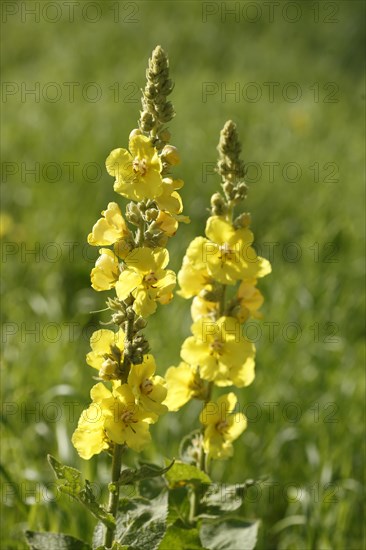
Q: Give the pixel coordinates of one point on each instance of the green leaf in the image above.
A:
(72, 484)
(178, 505)
(147, 471)
(228, 534)
(224, 496)
(178, 538)
(71, 476)
(182, 473)
(116, 546)
(142, 523)
(54, 541)
(98, 536)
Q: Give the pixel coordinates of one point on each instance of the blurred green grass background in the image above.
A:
(305, 433)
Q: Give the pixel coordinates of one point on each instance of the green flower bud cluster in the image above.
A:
(232, 171)
(137, 346)
(156, 110)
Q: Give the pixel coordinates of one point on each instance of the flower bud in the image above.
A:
(228, 188)
(243, 220)
(130, 314)
(109, 369)
(218, 206)
(170, 155)
(151, 214)
(134, 132)
(119, 318)
(164, 135)
(146, 121)
(133, 213)
(140, 324)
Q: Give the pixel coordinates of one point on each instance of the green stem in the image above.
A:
(114, 493)
(117, 452)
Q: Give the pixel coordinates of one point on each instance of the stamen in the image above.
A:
(139, 165)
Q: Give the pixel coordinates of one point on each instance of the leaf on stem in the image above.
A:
(228, 534)
(182, 474)
(147, 471)
(54, 541)
(71, 483)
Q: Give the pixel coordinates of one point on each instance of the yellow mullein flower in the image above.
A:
(147, 280)
(149, 390)
(170, 200)
(170, 207)
(137, 171)
(221, 351)
(90, 438)
(223, 426)
(126, 422)
(107, 352)
(227, 252)
(111, 229)
(204, 308)
(183, 383)
(249, 300)
(193, 280)
(106, 271)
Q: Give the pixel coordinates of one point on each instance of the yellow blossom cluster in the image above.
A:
(133, 263)
(121, 415)
(220, 272)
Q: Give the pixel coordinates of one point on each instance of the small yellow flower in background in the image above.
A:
(222, 426)
(137, 172)
(192, 280)
(149, 390)
(106, 271)
(126, 422)
(107, 352)
(147, 280)
(220, 350)
(183, 383)
(90, 438)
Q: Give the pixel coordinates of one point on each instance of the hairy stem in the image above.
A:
(114, 493)
(117, 453)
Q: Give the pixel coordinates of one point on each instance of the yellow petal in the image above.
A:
(119, 162)
(194, 352)
(198, 252)
(179, 380)
(141, 372)
(192, 280)
(127, 282)
(106, 270)
(108, 229)
(99, 392)
(237, 424)
(89, 437)
(144, 304)
(219, 230)
(141, 259)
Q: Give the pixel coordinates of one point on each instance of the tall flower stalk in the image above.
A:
(220, 272)
(133, 263)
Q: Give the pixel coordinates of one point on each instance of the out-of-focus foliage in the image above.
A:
(295, 91)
